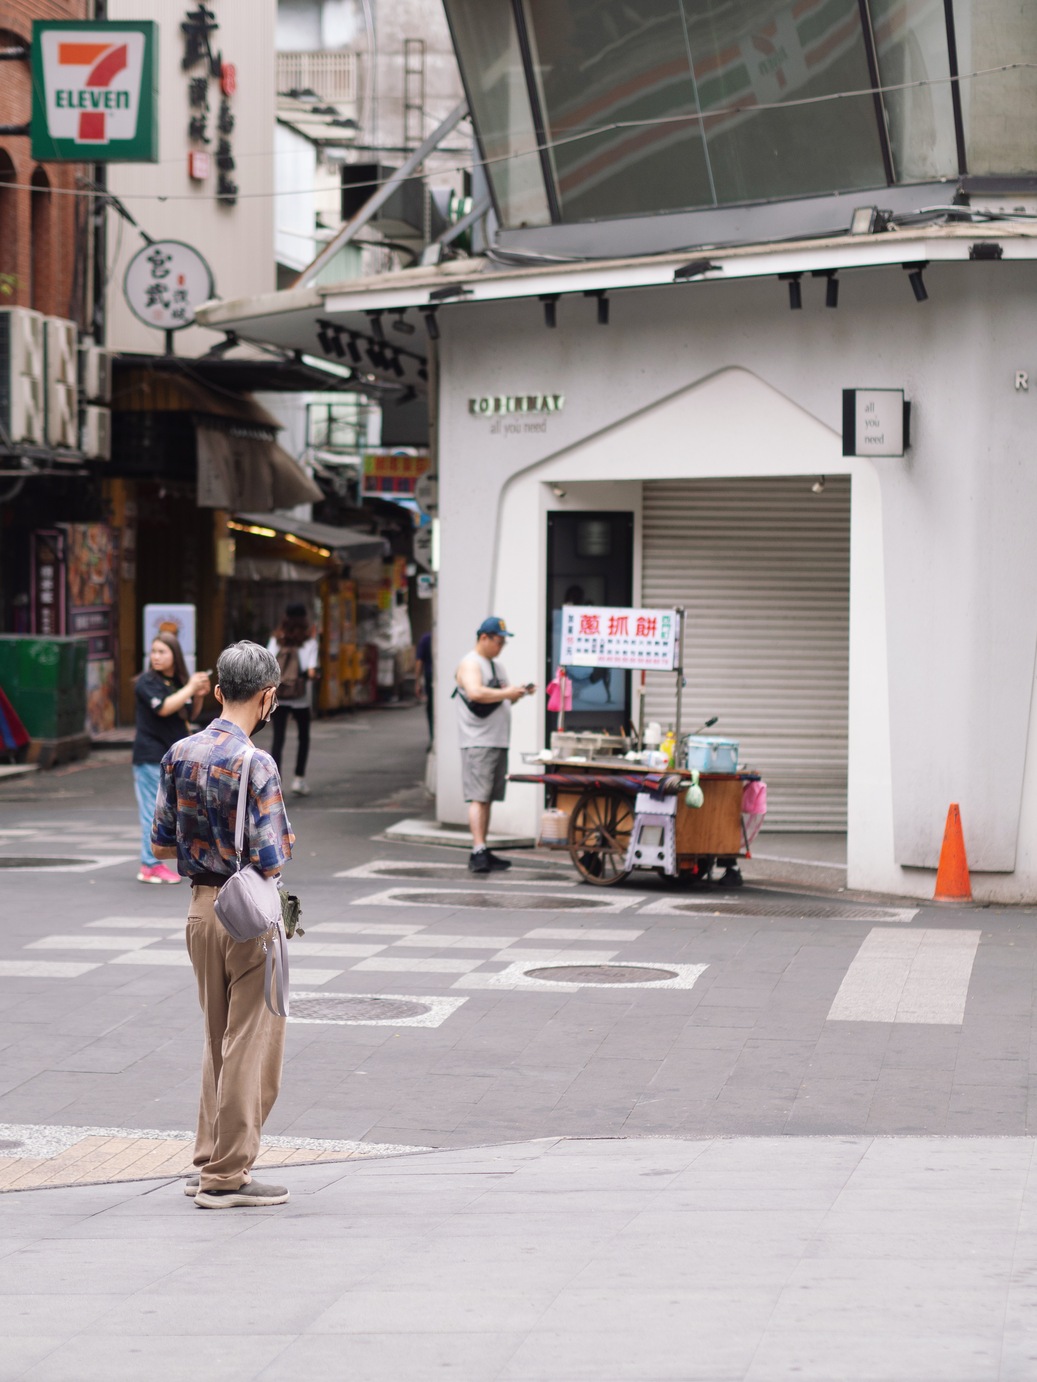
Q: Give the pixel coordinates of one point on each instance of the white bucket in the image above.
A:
(554, 827)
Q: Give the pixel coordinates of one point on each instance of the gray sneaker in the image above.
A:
(252, 1193)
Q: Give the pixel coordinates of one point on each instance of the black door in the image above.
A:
(590, 560)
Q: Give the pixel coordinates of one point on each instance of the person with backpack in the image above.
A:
(294, 645)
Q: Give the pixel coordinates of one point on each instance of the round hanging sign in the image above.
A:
(165, 282)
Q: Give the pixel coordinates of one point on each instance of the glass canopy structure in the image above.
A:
(587, 110)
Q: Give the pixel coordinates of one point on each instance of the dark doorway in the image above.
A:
(590, 561)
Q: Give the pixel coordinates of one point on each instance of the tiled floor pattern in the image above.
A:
(34, 1157)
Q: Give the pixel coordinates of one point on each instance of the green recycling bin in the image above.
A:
(45, 681)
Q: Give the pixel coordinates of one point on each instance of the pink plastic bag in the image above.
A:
(754, 808)
(554, 693)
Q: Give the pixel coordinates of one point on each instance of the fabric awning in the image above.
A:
(273, 569)
(237, 471)
(345, 543)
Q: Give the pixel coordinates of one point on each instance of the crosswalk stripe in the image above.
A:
(908, 976)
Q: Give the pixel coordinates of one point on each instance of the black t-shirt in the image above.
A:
(156, 733)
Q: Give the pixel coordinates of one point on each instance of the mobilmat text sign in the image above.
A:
(596, 636)
(94, 93)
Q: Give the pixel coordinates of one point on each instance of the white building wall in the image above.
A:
(237, 241)
(718, 380)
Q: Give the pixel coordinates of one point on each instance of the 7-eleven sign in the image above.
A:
(94, 96)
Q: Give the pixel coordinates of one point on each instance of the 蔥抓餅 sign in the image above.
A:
(876, 422)
(597, 636)
(94, 95)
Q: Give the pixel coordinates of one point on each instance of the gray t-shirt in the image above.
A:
(493, 731)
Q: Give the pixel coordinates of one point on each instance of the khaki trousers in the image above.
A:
(244, 1047)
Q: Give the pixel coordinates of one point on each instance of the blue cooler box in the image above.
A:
(712, 755)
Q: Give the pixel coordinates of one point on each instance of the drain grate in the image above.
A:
(506, 902)
(48, 863)
(601, 974)
(807, 911)
(329, 1008)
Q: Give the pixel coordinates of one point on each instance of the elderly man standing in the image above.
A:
(484, 701)
(195, 816)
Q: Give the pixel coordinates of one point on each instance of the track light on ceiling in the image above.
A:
(431, 325)
(353, 348)
(402, 325)
(795, 290)
(818, 487)
(558, 491)
(550, 301)
(329, 337)
(914, 277)
(831, 287)
(377, 330)
(603, 304)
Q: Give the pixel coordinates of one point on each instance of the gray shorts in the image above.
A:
(484, 774)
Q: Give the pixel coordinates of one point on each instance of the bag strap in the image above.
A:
(275, 980)
(239, 824)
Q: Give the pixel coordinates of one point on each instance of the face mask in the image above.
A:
(266, 718)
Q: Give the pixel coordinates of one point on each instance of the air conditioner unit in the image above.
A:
(96, 433)
(21, 376)
(61, 365)
(95, 373)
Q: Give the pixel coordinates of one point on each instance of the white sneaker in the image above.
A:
(299, 787)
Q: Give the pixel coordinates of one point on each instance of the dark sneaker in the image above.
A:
(479, 862)
(731, 878)
(497, 864)
(192, 1185)
(250, 1194)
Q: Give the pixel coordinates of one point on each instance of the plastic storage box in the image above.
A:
(712, 755)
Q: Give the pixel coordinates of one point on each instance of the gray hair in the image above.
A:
(244, 669)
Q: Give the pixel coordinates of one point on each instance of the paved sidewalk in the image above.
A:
(755, 1259)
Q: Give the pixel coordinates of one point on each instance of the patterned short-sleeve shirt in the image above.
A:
(197, 806)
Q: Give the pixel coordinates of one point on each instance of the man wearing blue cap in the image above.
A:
(484, 700)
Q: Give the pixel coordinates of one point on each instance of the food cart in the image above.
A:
(621, 812)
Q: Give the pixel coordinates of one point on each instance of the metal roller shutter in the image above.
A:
(763, 568)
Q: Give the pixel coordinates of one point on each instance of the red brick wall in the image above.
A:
(51, 282)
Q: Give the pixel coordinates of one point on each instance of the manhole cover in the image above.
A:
(507, 902)
(601, 974)
(41, 863)
(434, 871)
(331, 1009)
(807, 911)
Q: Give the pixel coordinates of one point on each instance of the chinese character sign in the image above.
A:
(165, 282)
(393, 472)
(632, 638)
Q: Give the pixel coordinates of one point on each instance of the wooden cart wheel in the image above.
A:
(599, 835)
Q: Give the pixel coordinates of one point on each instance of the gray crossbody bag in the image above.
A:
(248, 906)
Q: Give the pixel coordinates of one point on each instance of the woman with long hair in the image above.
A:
(165, 696)
(294, 644)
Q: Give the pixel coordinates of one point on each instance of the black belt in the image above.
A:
(209, 880)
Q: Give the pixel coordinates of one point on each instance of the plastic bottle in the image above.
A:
(668, 747)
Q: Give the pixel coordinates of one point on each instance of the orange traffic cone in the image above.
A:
(952, 877)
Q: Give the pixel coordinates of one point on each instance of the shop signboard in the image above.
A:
(75, 569)
(179, 620)
(601, 636)
(164, 283)
(876, 422)
(95, 91)
(392, 472)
